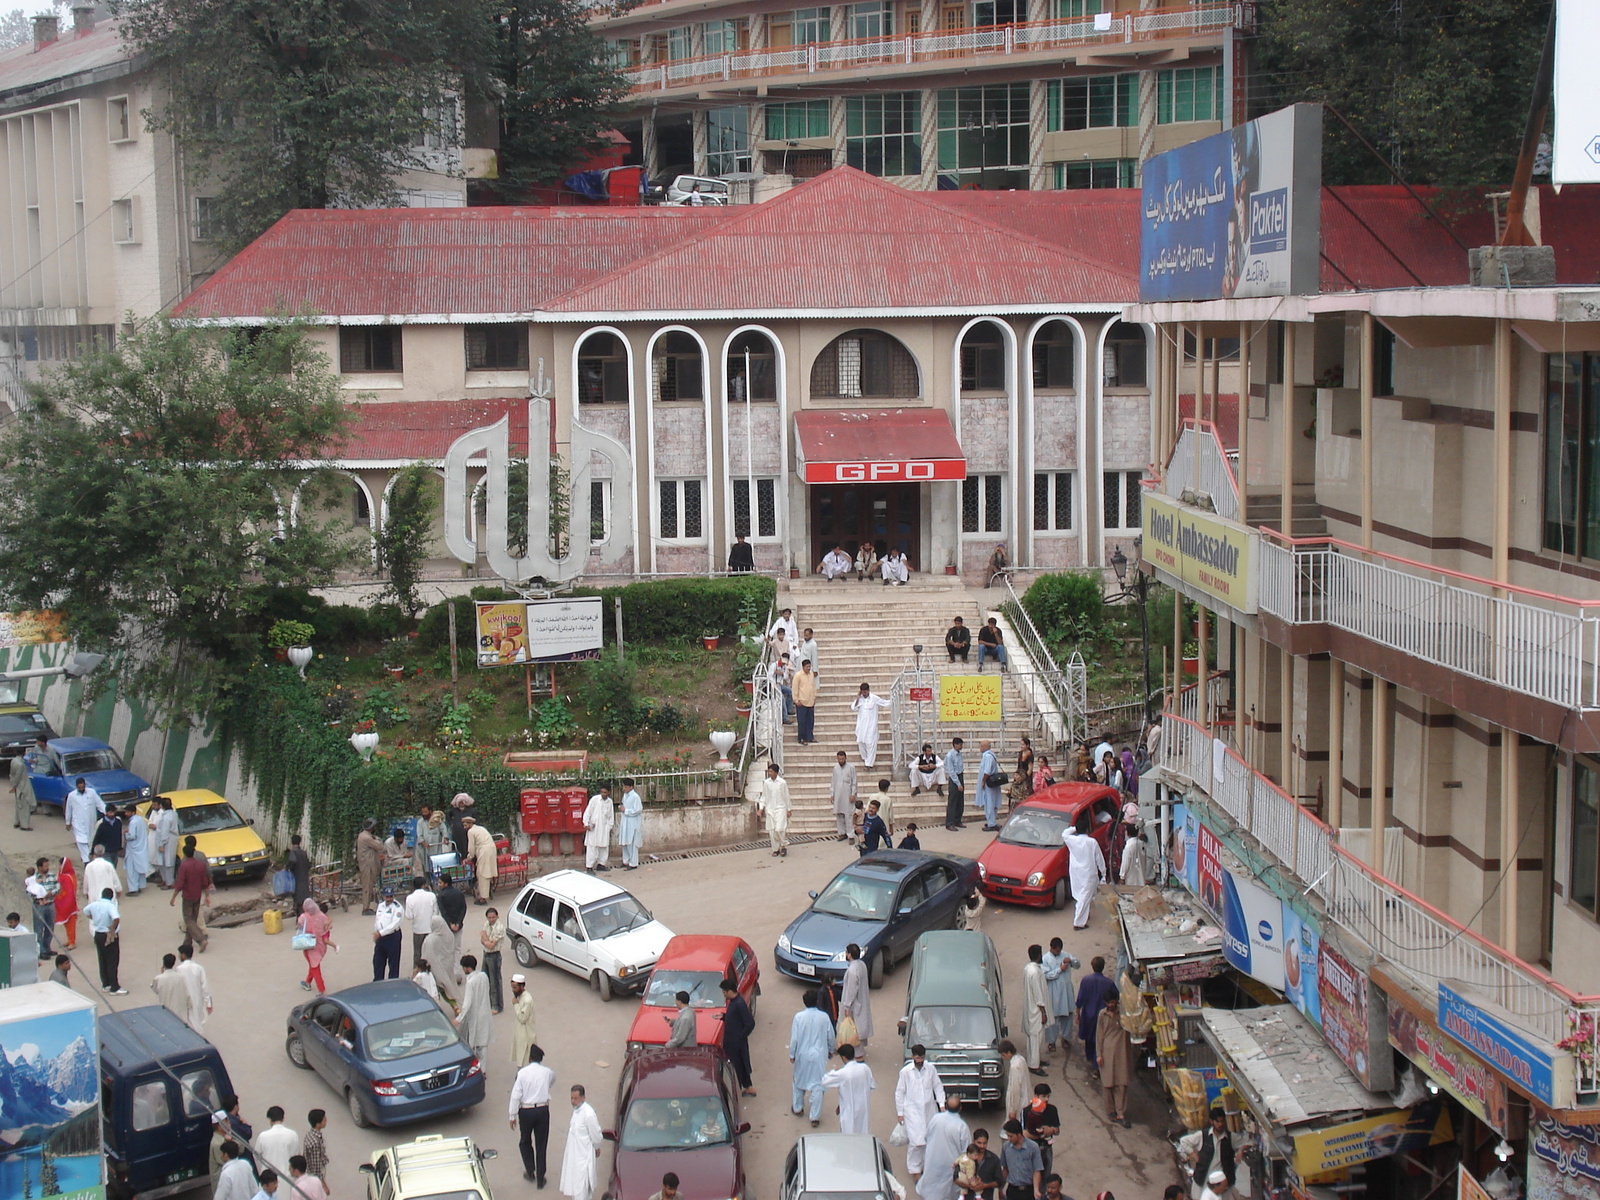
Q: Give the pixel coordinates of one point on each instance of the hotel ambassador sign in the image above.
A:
(1209, 554)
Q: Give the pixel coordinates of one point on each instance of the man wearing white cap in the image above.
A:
(1217, 1186)
(522, 1020)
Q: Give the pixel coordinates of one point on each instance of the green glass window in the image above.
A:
(787, 120)
(1189, 94)
(1572, 454)
(1092, 102)
(983, 131)
(883, 133)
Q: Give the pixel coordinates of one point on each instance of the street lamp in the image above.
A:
(1140, 592)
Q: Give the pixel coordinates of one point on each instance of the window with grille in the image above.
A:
(1092, 102)
(983, 360)
(1096, 173)
(728, 139)
(1189, 94)
(982, 507)
(753, 353)
(208, 223)
(681, 516)
(1052, 501)
(1121, 501)
(602, 370)
(883, 133)
(766, 525)
(1053, 356)
(678, 368)
(497, 347)
(795, 119)
(369, 348)
(984, 131)
(865, 363)
(599, 510)
(1124, 364)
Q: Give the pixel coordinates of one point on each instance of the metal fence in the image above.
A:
(1064, 689)
(763, 734)
(1201, 465)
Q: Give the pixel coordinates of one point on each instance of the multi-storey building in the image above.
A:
(1385, 513)
(948, 94)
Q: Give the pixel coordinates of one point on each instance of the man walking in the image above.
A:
(530, 1113)
(164, 836)
(1022, 1163)
(741, 556)
(37, 761)
(598, 820)
(100, 873)
(774, 802)
(958, 640)
(955, 778)
(83, 811)
(866, 706)
(988, 790)
(421, 907)
(1086, 871)
(803, 688)
(314, 1146)
(1094, 990)
(947, 1140)
(683, 1032)
(369, 862)
(855, 999)
(42, 889)
(170, 990)
(194, 979)
(583, 1148)
(473, 1021)
(630, 831)
(808, 652)
(387, 924)
(811, 1041)
(842, 795)
(856, 1085)
(738, 1023)
(522, 1020)
(277, 1143)
(1036, 1008)
(791, 631)
(193, 882)
(452, 902)
(918, 1096)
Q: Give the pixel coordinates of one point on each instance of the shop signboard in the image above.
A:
(1518, 1059)
(539, 631)
(1323, 1152)
(967, 699)
(1468, 1187)
(1351, 1007)
(1302, 943)
(1185, 848)
(1565, 1163)
(30, 628)
(1252, 929)
(1202, 550)
(1473, 1085)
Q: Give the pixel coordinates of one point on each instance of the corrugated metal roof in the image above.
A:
(413, 430)
(26, 66)
(875, 435)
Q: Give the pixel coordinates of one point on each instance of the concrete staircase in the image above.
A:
(1305, 512)
(864, 633)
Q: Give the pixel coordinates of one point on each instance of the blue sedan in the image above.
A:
(68, 759)
(389, 1050)
(882, 902)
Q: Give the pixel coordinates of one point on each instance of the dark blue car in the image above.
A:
(389, 1050)
(882, 902)
(97, 764)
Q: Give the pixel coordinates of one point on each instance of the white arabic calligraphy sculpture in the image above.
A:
(494, 442)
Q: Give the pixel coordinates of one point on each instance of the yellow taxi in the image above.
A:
(231, 846)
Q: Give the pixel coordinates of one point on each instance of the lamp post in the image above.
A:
(917, 651)
(1140, 592)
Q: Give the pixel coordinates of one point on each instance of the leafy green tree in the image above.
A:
(406, 534)
(556, 91)
(284, 104)
(1439, 87)
(146, 493)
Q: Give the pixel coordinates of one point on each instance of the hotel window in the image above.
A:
(369, 348)
(1095, 173)
(599, 510)
(1189, 94)
(1583, 879)
(497, 347)
(720, 37)
(728, 140)
(124, 221)
(1122, 499)
(795, 119)
(119, 119)
(1077, 10)
(983, 359)
(677, 369)
(1053, 356)
(1572, 454)
(808, 25)
(622, 53)
(1052, 501)
(1092, 102)
(983, 132)
(982, 510)
(602, 370)
(766, 508)
(998, 12)
(1383, 345)
(871, 20)
(680, 43)
(883, 133)
(681, 518)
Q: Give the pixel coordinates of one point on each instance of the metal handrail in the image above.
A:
(758, 684)
(1213, 473)
(1068, 689)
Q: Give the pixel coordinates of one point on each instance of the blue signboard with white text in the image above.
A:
(1492, 1040)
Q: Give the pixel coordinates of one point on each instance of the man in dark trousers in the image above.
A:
(452, 903)
(958, 640)
(108, 833)
(1093, 991)
(738, 1023)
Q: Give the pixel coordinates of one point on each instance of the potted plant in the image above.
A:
(364, 739)
(285, 634)
(710, 639)
(1191, 658)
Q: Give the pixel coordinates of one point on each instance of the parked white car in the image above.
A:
(585, 925)
(695, 189)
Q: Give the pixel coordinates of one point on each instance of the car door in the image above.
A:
(905, 922)
(746, 972)
(324, 1020)
(51, 786)
(945, 895)
(536, 918)
(791, 1174)
(568, 940)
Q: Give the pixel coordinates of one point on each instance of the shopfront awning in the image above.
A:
(888, 445)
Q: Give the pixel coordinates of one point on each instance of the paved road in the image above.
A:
(255, 982)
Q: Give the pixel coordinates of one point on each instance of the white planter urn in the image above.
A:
(722, 742)
(300, 658)
(365, 744)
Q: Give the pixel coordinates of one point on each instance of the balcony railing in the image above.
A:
(936, 46)
(1201, 465)
(1417, 940)
(1530, 642)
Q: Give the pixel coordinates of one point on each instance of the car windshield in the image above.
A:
(1029, 826)
(952, 1026)
(674, 1124)
(22, 723)
(616, 915)
(81, 762)
(704, 988)
(403, 1037)
(856, 898)
(207, 818)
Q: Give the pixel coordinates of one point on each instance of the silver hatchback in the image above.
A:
(839, 1166)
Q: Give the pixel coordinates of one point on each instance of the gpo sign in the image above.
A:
(914, 471)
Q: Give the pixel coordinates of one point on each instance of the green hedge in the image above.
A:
(335, 624)
(1066, 605)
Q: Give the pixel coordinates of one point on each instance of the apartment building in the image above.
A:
(932, 94)
(1380, 500)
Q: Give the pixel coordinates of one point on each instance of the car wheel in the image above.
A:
(358, 1115)
(876, 968)
(296, 1050)
(1058, 900)
(602, 984)
(527, 956)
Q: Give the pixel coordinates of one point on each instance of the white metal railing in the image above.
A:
(761, 733)
(1409, 934)
(1529, 642)
(1068, 689)
(1201, 466)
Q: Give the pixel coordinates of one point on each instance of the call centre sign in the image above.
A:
(1208, 553)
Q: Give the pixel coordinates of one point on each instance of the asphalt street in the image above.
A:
(255, 981)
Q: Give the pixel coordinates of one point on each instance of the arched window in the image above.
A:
(1124, 356)
(753, 351)
(678, 369)
(866, 363)
(1053, 356)
(602, 370)
(983, 359)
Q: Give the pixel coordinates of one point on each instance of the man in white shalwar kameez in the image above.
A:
(918, 1097)
(598, 819)
(811, 1041)
(835, 564)
(1036, 1007)
(774, 802)
(866, 706)
(583, 1147)
(948, 1139)
(855, 1083)
(855, 999)
(1086, 871)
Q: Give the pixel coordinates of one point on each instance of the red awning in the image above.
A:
(887, 445)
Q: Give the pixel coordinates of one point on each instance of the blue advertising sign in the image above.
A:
(1252, 929)
(1492, 1040)
(1302, 943)
(1235, 214)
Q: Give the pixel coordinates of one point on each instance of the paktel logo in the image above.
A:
(1269, 221)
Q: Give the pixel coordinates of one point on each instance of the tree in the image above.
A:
(404, 537)
(557, 93)
(284, 104)
(1439, 87)
(145, 495)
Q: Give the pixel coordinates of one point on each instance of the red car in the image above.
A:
(678, 1110)
(1027, 862)
(697, 964)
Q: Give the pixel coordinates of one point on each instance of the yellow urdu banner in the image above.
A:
(1205, 551)
(969, 698)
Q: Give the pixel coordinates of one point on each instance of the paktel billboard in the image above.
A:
(1235, 214)
(1575, 149)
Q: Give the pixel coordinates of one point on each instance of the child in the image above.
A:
(857, 819)
(424, 979)
(910, 842)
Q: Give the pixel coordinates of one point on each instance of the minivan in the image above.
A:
(955, 1010)
(160, 1081)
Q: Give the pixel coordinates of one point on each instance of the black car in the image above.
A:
(882, 902)
(20, 723)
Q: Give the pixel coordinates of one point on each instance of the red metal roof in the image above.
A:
(828, 435)
(413, 430)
